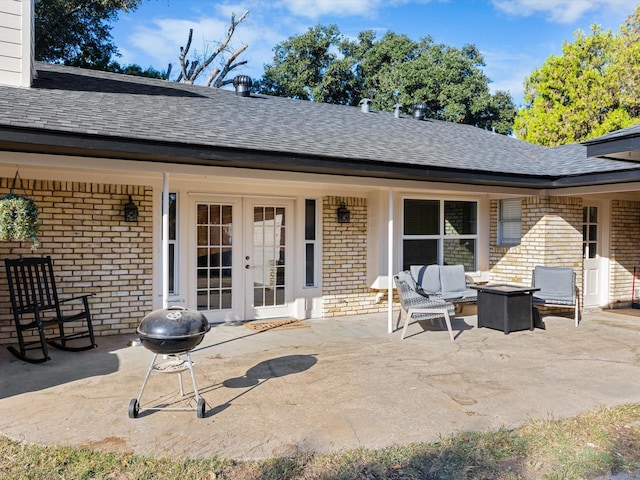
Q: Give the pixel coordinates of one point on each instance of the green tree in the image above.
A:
(321, 65)
(588, 91)
(311, 67)
(77, 32)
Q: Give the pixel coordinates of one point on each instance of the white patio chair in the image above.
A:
(557, 288)
(421, 307)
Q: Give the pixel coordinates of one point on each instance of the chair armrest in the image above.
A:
(80, 297)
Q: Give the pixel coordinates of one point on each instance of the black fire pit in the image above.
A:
(171, 332)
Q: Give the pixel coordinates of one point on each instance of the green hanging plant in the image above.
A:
(19, 219)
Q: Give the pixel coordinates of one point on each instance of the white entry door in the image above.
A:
(592, 263)
(268, 255)
(243, 256)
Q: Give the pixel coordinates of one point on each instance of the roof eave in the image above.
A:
(73, 144)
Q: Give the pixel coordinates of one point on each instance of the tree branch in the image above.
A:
(222, 46)
(183, 55)
(229, 65)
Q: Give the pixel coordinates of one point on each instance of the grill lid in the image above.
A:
(172, 323)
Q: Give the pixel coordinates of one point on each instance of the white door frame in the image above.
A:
(241, 295)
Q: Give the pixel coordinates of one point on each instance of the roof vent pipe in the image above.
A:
(396, 110)
(419, 110)
(365, 105)
(242, 84)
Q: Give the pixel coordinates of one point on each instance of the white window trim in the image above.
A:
(441, 236)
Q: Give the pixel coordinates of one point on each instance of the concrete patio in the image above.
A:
(338, 384)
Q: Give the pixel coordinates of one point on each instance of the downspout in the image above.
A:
(165, 240)
(390, 265)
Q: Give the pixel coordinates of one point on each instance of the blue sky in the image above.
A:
(514, 36)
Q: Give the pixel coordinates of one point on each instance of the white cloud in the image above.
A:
(561, 11)
(158, 40)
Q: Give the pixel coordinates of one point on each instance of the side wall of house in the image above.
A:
(344, 266)
(551, 235)
(625, 254)
(16, 27)
(93, 249)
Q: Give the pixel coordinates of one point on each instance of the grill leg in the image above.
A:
(146, 378)
(193, 377)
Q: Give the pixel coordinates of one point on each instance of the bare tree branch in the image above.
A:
(228, 66)
(197, 67)
(183, 54)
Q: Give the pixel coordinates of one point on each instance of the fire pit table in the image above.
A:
(171, 332)
(505, 307)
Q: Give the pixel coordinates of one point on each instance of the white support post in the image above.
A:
(390, 265)
(165, 240)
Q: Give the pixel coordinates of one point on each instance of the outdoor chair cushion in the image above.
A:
(452, 278)
(427, 276)
(448, 281)
(556, 285)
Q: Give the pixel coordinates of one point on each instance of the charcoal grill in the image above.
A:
(171, 332)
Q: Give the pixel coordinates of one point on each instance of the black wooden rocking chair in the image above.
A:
(37, 308)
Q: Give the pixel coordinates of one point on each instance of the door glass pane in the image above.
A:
(213, 281)
(203, 214)
(310, 219)
(268, 255)
(419, 252)
(593, 214)
(309, 264)
(421, 217)
(593, 233)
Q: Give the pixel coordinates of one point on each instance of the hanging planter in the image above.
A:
(19, 219)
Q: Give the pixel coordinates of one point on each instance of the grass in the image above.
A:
(603, 442)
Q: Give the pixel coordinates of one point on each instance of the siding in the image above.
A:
(16, 45)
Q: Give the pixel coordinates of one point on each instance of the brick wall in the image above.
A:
(625, 250)
(93, 249)
(551, 235)
(344, 267)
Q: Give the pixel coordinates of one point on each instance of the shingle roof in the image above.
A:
(121, 108)
(632, 131)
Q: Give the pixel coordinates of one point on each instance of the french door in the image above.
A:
(591, 233)
(243, 258)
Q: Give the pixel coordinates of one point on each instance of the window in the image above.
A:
(441, 232)
(509, 219)
(214, 243)
(173, 264)
(310, 242)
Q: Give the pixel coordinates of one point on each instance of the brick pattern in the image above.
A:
(625, 255)
(93, 249)
(551, 235)
(344, 264)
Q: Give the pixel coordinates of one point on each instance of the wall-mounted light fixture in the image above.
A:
(130, 211)
(344, 215)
